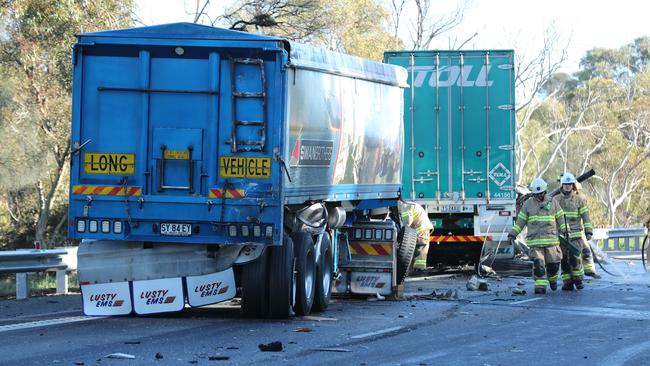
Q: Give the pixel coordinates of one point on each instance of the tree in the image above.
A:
(599, 117)
(35, 56)
(355, 27)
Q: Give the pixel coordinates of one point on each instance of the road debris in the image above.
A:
(518, 291)
(119, 355)
(158, 356)
(325, 349)
(132, 342)
(271, 347)
(476, 284)
(303, 330)
(219, 358)
(521, 283)
(316, 318)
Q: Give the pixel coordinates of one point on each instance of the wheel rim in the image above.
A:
(309, 276)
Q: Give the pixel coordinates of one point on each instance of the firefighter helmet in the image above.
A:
(538, 185)
(568, 178)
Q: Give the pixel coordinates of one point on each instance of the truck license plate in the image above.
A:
(168, 229)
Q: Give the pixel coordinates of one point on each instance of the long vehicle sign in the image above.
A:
(107, 163)
(244, 167)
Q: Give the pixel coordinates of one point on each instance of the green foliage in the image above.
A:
(603, 110)
(35, 44)
(354, 27)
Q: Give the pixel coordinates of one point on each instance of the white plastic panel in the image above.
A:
(212, 288)
(158, 296)
(106, 299)
(371, 283)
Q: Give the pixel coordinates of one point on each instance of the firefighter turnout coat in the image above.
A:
(542, 219)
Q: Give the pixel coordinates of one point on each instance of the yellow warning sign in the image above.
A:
(107, 163)
(177, 154)
(244, 167)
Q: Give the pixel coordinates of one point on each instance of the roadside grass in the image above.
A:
(40, 283)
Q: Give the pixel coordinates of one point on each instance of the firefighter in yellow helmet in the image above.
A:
(543, 216)
(574, 206)
(416, 217)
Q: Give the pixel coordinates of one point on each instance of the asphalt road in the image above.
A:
(605, 324)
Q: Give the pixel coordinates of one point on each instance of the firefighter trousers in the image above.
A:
(572, 265)
(546, 264)
(421, 252)
(587, 258)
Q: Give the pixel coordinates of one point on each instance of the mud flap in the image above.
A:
(371, 283)
(106, 299)
(211, 289)
(158, 296)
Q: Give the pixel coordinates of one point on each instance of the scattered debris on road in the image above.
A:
(476, 284)
(158, 356)
(325, 349)
(316, 318)
(271, 347)
(518, 291)
(303, 330)
(219, 358)
(119, 355)
(132, 342)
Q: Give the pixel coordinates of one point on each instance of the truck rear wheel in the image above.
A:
(281, 279)
(305, 273)
(407, 240)
(255, 298)
(324, 275)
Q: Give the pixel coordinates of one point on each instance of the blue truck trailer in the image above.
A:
(209, 163)
(459, 129)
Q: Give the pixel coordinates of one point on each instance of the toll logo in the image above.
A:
(157, 297)
(211, 289)
(447, 76)
(106, 300)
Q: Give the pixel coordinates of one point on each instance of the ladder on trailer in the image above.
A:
(237, 144)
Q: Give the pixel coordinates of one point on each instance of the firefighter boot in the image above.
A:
(567, 286)
(594, 275)
(540, 291)
(579, 284)
(553, 285)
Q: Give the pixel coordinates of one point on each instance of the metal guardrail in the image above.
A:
(620, 238)
(22, 262)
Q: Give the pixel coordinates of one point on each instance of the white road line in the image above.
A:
(383, 331)
(45, 323)
(527, 300)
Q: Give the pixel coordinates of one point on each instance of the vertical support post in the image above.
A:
(61, 282)
(144, 158)
(438, 171)
(487, 127)
(22, 286)
(412, 64)
(461, 109)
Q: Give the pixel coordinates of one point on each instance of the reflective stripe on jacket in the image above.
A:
(543, 220)
(575, 209)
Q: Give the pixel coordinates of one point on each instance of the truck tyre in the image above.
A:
(305, 272)
(407, 240)
(324, 275)
(281, 279)
(255, 298)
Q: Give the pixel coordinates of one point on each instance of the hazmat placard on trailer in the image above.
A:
(244, 167)
(109, 163)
